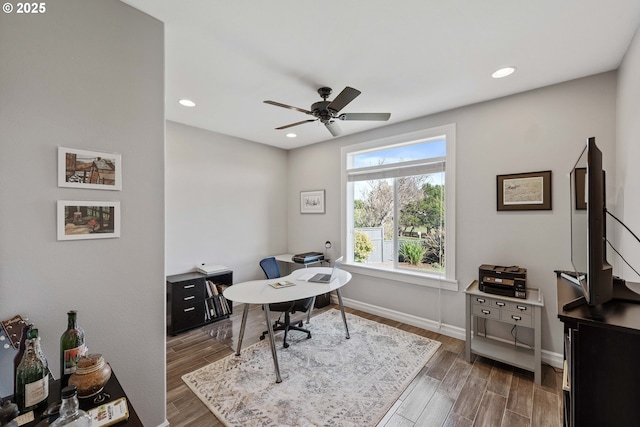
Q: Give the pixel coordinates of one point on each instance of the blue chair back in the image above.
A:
(270, 268)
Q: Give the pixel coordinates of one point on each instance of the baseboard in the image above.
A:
(409, 319)
(548, 357)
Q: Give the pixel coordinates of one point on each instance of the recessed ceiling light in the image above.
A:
(503, 72)
(291, 135)
(187, 103)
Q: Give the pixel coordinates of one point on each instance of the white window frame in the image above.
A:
(449, 280)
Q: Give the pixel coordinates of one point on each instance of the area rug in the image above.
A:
(326, 380)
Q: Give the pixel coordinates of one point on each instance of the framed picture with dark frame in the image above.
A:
(580, 190)
(524, 191)
(79, 220)
(312, 202)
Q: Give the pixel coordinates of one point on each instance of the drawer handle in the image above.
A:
(500, 304)
(481, 300)
(521, 307)
(516, 318)
(189, 286)
(486, 311)
(188, 298)
(189, 309)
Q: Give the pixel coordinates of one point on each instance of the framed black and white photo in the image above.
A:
(312, 202)
(524, 191)
(89, 169)
(78, 220)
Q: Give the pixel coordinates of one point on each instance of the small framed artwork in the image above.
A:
(524, 191)
(312, 202)
(78, 220)
(89, 169)
(580, 190)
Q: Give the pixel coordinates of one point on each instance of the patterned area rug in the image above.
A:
(326, 380)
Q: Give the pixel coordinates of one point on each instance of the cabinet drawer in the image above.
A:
(517, 318)
(187, 316)
(518, 307)
(488, 312)
(188, 291)
(481, 301)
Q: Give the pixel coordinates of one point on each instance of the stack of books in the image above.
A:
(216, 304)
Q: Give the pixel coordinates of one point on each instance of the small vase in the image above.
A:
(91, 375)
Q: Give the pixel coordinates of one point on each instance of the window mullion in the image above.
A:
(396, 214)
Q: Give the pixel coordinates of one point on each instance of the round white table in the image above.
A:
(260, 292)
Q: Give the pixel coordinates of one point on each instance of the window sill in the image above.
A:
(404, 276)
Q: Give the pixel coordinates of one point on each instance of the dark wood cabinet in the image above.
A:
(602, 361)
(195, 299)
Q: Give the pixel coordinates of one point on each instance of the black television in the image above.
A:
(592, 273)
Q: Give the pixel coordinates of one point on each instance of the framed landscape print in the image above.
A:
(312, 201)
(89, 169)
(524, 191)
(78, 220)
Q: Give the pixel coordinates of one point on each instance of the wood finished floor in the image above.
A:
(447, 392)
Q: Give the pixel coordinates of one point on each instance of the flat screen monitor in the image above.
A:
(588, 227)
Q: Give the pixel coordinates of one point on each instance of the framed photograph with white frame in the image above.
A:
(89, 169)
(312, 202)
(78, 220)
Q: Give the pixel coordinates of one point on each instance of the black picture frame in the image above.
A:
(524, 191)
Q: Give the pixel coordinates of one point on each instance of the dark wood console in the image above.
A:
(602, 361)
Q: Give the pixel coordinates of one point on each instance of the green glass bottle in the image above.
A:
(20, 355)
(32, 379)
(33, 334)
(72, 346)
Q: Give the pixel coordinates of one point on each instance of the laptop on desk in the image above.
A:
(327, 278)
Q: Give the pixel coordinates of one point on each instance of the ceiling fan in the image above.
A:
(329, 111)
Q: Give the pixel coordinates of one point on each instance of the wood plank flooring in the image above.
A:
(447, 392)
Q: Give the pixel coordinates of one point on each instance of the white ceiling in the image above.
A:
(410, 58)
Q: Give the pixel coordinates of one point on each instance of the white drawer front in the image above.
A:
(517, 318)
(486, 311)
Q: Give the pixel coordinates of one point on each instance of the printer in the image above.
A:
(506, 281)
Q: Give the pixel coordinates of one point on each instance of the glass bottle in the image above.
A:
(18, 358)
(70, 412)
(32, 379)
(71, 348)
(34, 334)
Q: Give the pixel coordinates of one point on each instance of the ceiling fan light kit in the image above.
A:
(327, 112)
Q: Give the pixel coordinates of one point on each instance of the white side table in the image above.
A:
(516, 311)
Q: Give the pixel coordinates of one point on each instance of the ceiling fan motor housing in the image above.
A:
(320, 110)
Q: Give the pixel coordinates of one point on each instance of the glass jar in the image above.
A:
(70, 412)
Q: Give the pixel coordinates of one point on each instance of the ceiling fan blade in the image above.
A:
(334, 128)
(277, 104)
(365, 116)
(347, 95)
(295, 124)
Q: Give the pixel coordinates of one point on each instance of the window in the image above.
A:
(399, 212)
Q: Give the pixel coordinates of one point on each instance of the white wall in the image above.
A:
(226, 201)
(86, 75)
(628, 159)
(543, 129)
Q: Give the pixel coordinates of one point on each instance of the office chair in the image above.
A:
(271, 270)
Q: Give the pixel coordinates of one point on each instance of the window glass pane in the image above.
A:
(373, 208)
(418, 243)
(400, 153)
(421, 223)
